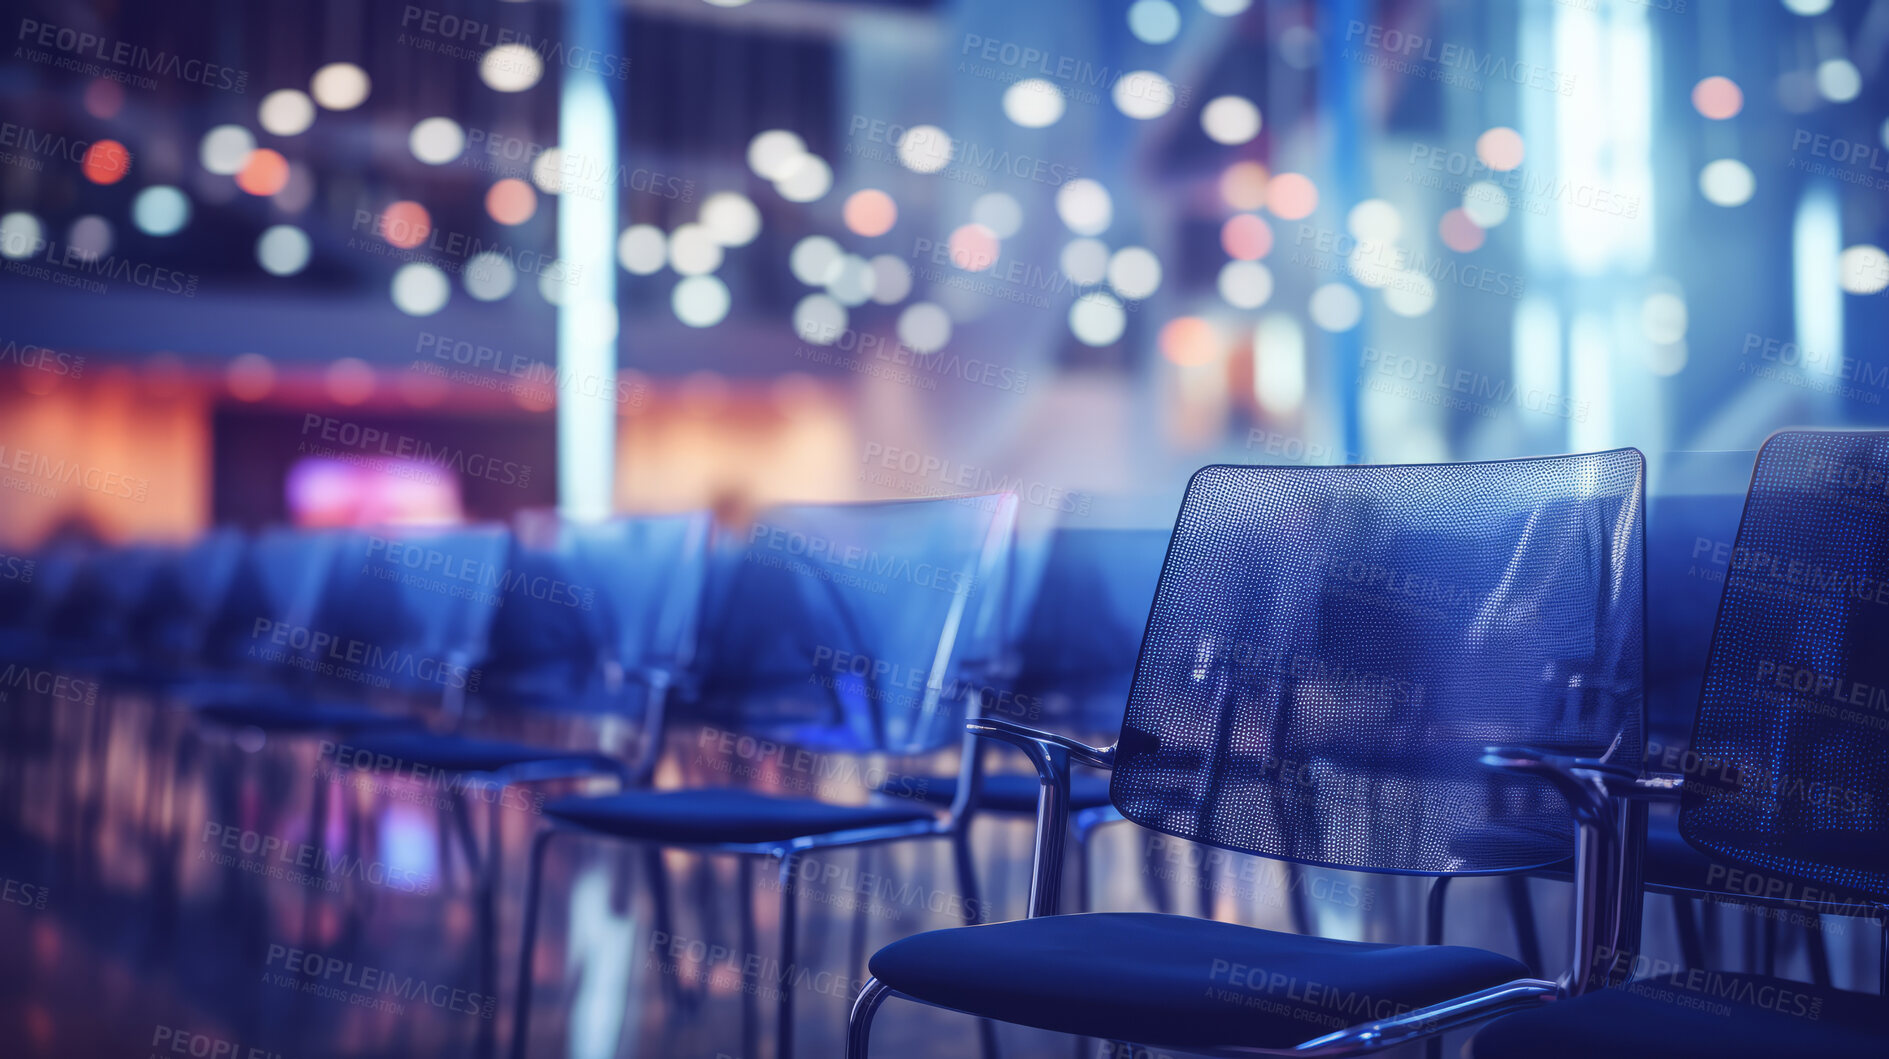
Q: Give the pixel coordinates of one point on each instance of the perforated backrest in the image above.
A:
(857, 626)
(1332, 648)
(1793, 725)
(1692, 507)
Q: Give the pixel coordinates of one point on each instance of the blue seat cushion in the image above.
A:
(455, 753)
(301, 717)
(1707, 1015)
(722, 814)
(1005, 792)
(1176, 981)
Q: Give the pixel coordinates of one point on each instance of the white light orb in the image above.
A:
(283, 250)
(924, 327)
(286, 112)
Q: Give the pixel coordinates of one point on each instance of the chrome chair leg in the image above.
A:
(790, 931)
(973, 915)
(521, 1017)
(750, 945)
(1522, 911)
(859, 1024)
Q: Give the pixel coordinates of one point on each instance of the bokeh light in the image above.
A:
(973, 247)
(853, 282)
(1084, 261)
(809, 181)
(642, 249)
(104, 98)
(774, 154)
(90, 237)
(1246, 237)
(1838, 80)
(1374, 220)
(106, 162)
(1727, 182)
(1863, 269)
(249, 376)
(511, 201)
(1410, 294)
(1034, 103)
(870, 212)
(925, 149)
(1143, 95)
(420, 289)
(693, 250)
(891, 279)
(20, 235)
(814, 260)
(225, 148)
(1134, 272)
(1243, 185)
(1292, 196)
(1718, 98)
(340, 86)
(283, 250)
(405, 224)
(998, 212)
(1335, 307)
(1154, 21)
(1097, 319)
(701, 301)
(286, 112)
(1231, 120)
(1245, 284)
(924, 327)
(1190, 341)
(1486, 203)
(489, 276)
(819, 319)
(160, 210)
(1663, 317)
(265, 173)
(510, 67)
(350, 381)
(1459, 232)
(1500, 148)
(436, 141)
(731, 218)
(1085, 206)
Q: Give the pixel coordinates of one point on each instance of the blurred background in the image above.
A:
(346, 264)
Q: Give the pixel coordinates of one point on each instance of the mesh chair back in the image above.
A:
(856, 627)
(1692, 505)
(1793, 725)
(1331, 649)
(411, 608)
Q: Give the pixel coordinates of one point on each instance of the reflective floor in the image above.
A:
(174, 888)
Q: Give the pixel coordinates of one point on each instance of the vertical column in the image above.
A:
(587, 226)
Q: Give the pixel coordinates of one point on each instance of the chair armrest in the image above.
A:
(1050, 754)
(1022, 736)
(1609, 804)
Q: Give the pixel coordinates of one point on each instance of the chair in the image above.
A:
(1693, 501)
(1791, 783)
(1073, 646)
(1329, 651)
(838, 628)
